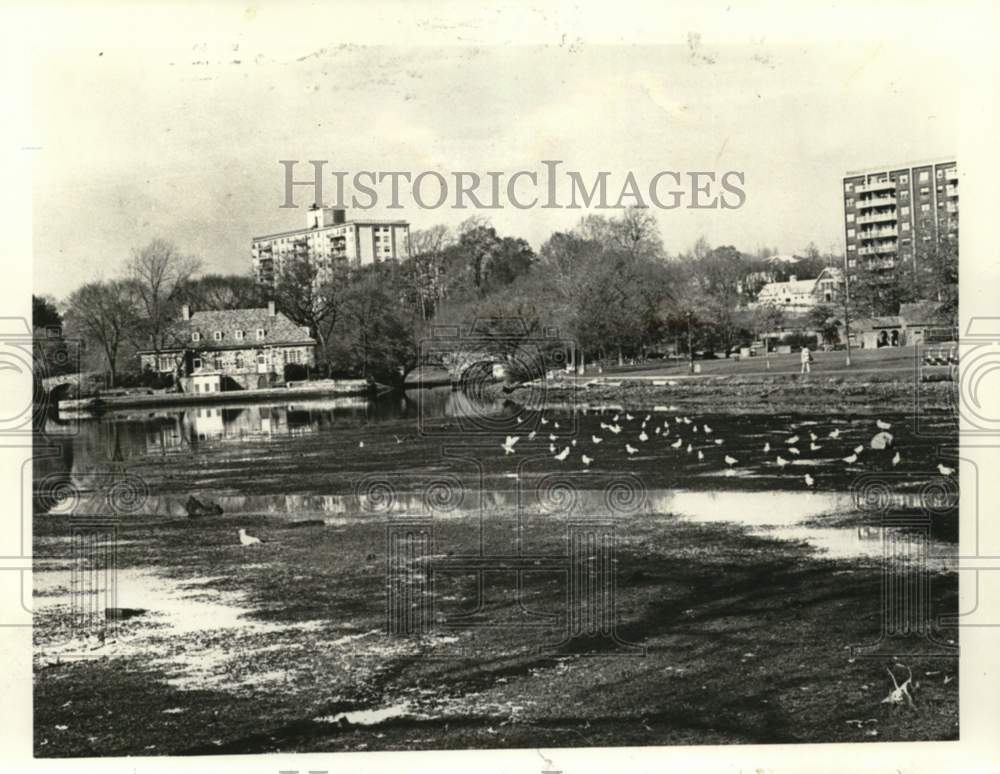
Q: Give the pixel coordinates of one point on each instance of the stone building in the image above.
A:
(212, 351)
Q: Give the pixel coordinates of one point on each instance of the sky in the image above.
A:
(183, 143)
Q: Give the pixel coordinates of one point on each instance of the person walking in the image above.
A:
(806, 359)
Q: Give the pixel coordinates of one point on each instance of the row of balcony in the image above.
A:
(878, 233)
(875, 185)
(877, 217)
(876, 201)
(877, 249)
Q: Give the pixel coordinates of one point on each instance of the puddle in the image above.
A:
(369, 717)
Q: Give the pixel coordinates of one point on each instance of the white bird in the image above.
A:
(643, 436)
(552, 448)
(615, 418)
(595, 439)
(895, 459)
(643, 425)
(718, 442)
(694, 429)
(859, 448)
(730, 460)
(677, 420)
(851, 458)
(532, 434)
(518, 420)
(629, 417)
(835, 433)
(944, 470)
(630, 448)
(881, 425)
(648, 417)
(563, 454)
(767, 447)
(707, 429)
(700, 455)
(552, 436)
(586, 460)
(881, 440)
(689, 449)
(508, 445)
(794, 439)
(809, 480)
(604, 426)
(793, 450)
(658, 431)
(812, 436)
(687, 421)
(615, 429)
(781, 461)
(555, 425)
(361, 444)
(814, 447)
(398, 439)
(573, 442)
(544, 421)
(677, 444)
(248, 540)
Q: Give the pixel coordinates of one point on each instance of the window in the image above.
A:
(925, 191)
(217, 362)
(850, 202)
(850, 247)
(239, 335)
(848, 187)
(195, 336)
(904, 211)
(940, 174)
(850, 233)
(925, 207)
(852, 262)
(217, 335)
(260, 334)
(850, 217)
(239, 361)
(196, 363)
(924, 176)
(906, 226)
(904, 194)
(904, 179)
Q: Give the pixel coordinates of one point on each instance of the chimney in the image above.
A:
(270, 309)
(185, 312)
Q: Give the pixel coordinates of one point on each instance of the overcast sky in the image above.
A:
(186, 145)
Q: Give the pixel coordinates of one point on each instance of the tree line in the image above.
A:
(608, 285)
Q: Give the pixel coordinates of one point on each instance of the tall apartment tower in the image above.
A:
(891, 212)
(329, 238)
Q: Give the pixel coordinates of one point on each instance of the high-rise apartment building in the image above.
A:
(891, 214)
(329, 238)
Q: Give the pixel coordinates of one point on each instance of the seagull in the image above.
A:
(643, 436)
(552, 448)
(552, 436)
(508, 445)
(573, 442)
(809, 480)
(689, 449)
(859, 448)
(812, 436)
(792, 440)
(657, 431)
(518, 420)
(944, 470)
(730, 460)
(707, 429)
(895, 460)
(643, 425)
(615, 418)
(677, 444)
(850, 459)
(793, 450)
(629, 417)
(630, 448)
(814, 447)
(361, 444)
(835, 434)
(586, 460)
(694, 429)
(248, 540)
(781, 461)
(718, 442)
(563, 454)
(700, 455)
(544, 421)
(881, 425)
(398, 439)
(648, 417)
(687, 421)
(767, 447)
(615, 429)
(531, 435)
(604, 426)
(595, 439)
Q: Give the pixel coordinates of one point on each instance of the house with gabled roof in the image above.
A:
(797, 295)
(211, 351)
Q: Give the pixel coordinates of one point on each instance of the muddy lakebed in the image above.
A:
(417, 586)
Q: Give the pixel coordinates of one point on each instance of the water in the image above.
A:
(305, 458)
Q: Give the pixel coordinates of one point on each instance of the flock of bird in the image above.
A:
(700, 439)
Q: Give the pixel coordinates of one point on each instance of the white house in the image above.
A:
(797, 295)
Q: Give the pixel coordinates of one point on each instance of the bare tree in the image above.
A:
(159, 274)
(103, 314)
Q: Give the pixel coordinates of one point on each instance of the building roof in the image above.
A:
(876, 323)
(311, 229)
(940, 161)
(795, 288)
(278, 331)
(921, 312)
